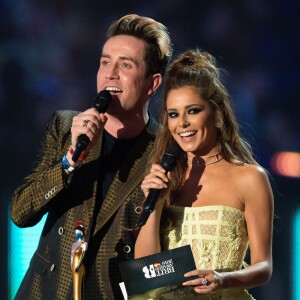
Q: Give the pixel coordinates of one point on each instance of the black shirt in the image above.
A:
(114, 152)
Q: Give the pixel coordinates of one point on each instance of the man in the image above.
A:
(103, 190)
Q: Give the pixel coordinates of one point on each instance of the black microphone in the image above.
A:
(101, 103)
(168, 162)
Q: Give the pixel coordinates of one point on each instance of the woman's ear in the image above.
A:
(218, 125)
(219, 117)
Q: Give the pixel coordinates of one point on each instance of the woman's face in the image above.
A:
(191, 121)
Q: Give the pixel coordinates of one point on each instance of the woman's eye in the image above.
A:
(194, 111)
(172, 114)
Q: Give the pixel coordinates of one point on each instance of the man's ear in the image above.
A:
(156, 81)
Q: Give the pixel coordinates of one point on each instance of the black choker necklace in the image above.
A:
(197, 161)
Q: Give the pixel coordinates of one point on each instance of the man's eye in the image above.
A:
(103, 62)
(126, 65)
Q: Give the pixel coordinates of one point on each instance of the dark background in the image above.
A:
(49, 57)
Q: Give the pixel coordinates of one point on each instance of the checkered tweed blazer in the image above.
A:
(66, 201)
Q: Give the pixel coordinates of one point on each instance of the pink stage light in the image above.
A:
(286, 164)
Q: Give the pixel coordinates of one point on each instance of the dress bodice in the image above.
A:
(219, 241)
(217, 235)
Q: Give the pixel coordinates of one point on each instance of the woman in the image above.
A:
(218, 199)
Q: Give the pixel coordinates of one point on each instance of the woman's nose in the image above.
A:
(183, 122)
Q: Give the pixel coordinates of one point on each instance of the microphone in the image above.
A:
(101, 103)
(168, 162)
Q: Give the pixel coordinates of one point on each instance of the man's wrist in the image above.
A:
(67, 162)
(82, 156)
(67, 165)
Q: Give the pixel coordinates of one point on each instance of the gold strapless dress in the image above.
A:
(219, 241)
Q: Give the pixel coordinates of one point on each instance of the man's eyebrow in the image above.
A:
(105, 55)
(130, 59)
(123, 58)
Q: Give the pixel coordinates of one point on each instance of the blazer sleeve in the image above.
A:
(45, 184)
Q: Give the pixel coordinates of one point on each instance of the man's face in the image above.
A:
(122, 72)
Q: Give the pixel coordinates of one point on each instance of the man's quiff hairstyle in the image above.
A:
(158, 47)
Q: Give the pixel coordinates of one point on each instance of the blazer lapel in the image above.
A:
(93, 159)
(127, 179)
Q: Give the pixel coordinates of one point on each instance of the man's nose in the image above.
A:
(112, 72)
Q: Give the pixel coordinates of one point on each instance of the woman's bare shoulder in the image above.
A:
(249, 177)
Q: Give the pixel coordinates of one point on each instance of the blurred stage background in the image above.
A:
(49, 56)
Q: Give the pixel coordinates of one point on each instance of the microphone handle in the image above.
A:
(148, 206)
(82, 143)
(101, 103)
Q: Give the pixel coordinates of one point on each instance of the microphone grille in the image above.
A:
(173, 150)
(170, 157)
(102, 101)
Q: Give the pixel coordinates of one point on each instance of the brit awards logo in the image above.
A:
(159, 269)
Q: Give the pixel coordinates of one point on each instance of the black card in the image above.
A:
(157, 270)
